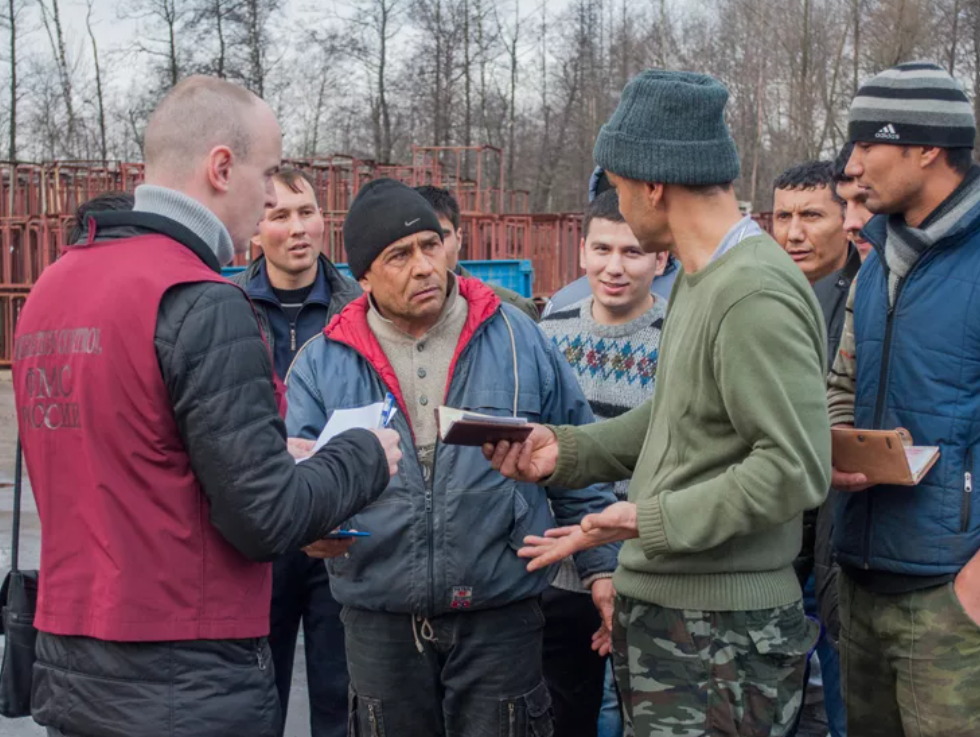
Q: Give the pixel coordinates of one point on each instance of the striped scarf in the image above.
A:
(905, 245)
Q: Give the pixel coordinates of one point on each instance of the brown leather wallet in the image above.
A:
(884, 456)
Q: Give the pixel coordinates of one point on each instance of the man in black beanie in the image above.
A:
(443, 623)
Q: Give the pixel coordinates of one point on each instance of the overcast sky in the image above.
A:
(115, 33)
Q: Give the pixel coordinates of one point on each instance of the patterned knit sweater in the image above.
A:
(616, 367)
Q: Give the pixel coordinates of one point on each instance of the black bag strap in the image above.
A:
(15, 534)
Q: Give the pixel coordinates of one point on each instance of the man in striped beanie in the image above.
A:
(910, 567)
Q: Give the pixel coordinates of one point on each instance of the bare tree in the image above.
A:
(536, 79)
(166, 18)
(856, 24)
(256, 39)
(99, 96)
(376, 24)
(511, 38)
(51, 18)
(468, 83)
(950, 12)
(14, 8)
(211, 22)
(326, 52)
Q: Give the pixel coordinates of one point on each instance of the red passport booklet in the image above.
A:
(459, 427)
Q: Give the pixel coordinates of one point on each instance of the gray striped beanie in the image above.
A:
(913, 104)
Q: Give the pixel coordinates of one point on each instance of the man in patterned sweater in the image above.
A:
(611, 339)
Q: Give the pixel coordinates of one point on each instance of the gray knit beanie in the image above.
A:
(913, 104)
(669, 128)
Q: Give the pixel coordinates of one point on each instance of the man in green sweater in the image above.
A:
(709, 636)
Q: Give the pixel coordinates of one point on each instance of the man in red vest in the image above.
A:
(156, 450)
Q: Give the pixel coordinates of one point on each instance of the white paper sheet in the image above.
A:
(367, 417)
(918, 457)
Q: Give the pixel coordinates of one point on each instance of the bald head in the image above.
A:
(220, 145)
(198, 114)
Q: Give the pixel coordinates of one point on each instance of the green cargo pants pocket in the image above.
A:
(775, 669)
(529, 715)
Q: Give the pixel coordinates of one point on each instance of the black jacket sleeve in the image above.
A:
(218, 372)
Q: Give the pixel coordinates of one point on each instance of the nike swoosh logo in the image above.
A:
(409, 225)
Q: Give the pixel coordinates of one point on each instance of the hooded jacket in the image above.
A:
(449, 542)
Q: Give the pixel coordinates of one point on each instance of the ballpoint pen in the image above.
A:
(386, 411)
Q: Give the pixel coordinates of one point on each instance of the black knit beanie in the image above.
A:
(384, 211)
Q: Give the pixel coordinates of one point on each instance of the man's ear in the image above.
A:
(365, 284)
(929, 156)
(661, 263)
(581, 253)
(219, 163)
(653, 193)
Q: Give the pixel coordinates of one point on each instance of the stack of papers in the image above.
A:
(367, 417)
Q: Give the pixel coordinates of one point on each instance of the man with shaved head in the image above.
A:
(156, 450)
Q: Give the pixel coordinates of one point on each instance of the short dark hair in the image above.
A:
(291, 177)
(809, 175)
(959, 159)
(708, 190)
(603, 207)
(840, 163)
(442, 202)
(112, 201)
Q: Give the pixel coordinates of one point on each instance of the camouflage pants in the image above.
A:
(686, 673)
(910, 663)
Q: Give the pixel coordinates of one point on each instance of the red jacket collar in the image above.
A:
(351, 328)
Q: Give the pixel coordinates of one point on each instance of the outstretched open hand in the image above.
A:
(615, 523)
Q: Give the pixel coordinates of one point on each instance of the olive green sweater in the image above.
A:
(734, 445)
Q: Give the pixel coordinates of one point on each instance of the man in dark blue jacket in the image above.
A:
(910, 357)
(296, 291)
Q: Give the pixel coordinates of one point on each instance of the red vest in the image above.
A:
(127, 549)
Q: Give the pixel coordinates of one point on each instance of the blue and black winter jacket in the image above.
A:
(918, 367)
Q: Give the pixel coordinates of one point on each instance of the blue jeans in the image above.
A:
(611, 715)
(833, 697)
(301, 593)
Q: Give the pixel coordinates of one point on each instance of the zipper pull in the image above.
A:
(292, 337)
(968, 482)
(258, 657)
(511, 720)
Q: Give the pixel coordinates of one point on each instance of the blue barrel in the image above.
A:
(514, 274)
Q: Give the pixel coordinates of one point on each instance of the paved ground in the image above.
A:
(298, 723)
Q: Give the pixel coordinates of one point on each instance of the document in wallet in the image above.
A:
(459, 427)
(884, 456)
